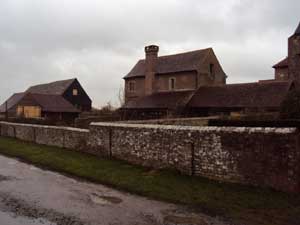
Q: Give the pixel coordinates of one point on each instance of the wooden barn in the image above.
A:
(71, 90)
(57, 101)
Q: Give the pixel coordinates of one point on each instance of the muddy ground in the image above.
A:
(32, 196)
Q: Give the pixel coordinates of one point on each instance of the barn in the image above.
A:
(59, 101)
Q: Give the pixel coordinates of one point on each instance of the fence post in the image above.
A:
(110, 142)
(192, 159)
(34, 134)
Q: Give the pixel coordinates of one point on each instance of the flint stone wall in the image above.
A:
(265, 157)
(65, 137)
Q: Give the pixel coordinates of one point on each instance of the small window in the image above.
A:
(132, 86)
(172, 83)
(212, 70)
(75, 92)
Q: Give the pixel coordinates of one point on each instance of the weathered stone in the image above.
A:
(257, 156)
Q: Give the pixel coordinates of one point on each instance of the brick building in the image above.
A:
(172, 73)
(195, 83)
(157, 85)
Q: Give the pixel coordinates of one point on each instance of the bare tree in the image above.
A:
(121, 96)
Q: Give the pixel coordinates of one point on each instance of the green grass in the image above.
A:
(240, 204)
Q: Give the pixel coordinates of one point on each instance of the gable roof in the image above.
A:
(187, 61)
(282, 64)
(161, 100)
(269, 94)
(48, 103)
(11, 101)
(53, 88)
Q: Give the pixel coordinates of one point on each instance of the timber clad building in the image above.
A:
(60, 100)
(194, 83)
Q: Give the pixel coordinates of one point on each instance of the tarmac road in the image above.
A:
(32, 196)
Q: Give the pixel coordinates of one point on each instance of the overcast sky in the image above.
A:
(99, 41)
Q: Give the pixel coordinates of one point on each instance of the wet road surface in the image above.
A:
(32, 196)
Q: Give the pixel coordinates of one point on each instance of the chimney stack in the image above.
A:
(150, 68)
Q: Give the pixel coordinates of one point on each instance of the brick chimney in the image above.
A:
(294, 56)
(150, 68)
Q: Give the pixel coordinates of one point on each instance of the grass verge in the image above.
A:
(241, 204)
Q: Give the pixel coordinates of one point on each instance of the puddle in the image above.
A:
(181, 220)
(8, 219)
(104, 200)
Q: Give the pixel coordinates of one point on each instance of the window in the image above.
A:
(75, 92)
(132, 86)
(212, 70)
(172, 83)
(29, 111)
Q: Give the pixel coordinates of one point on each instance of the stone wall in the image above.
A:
(65, 137)
(265, 157)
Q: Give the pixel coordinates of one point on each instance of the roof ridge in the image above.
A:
(55, 87)
(184, 53)
(251, 83)
(184, 61)
(177, 54)
(54, 82)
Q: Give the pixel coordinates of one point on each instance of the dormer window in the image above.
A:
(75, 92)
(131, 86)
(172, 83)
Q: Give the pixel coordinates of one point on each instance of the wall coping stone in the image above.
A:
(286, 130)
(45, 126)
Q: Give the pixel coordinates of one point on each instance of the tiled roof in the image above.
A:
(161, 100)
(53, 88)
(188, 61)
(48, 103)
(268, 94)
(283, 63)
(54, 103)
(11, 102)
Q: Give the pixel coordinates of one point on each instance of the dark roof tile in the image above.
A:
(282, 64)
(11, 101)
(49, 103)
(188, 61)
(269, 94)
(53, 88)
(54, 103)
(161, 100)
